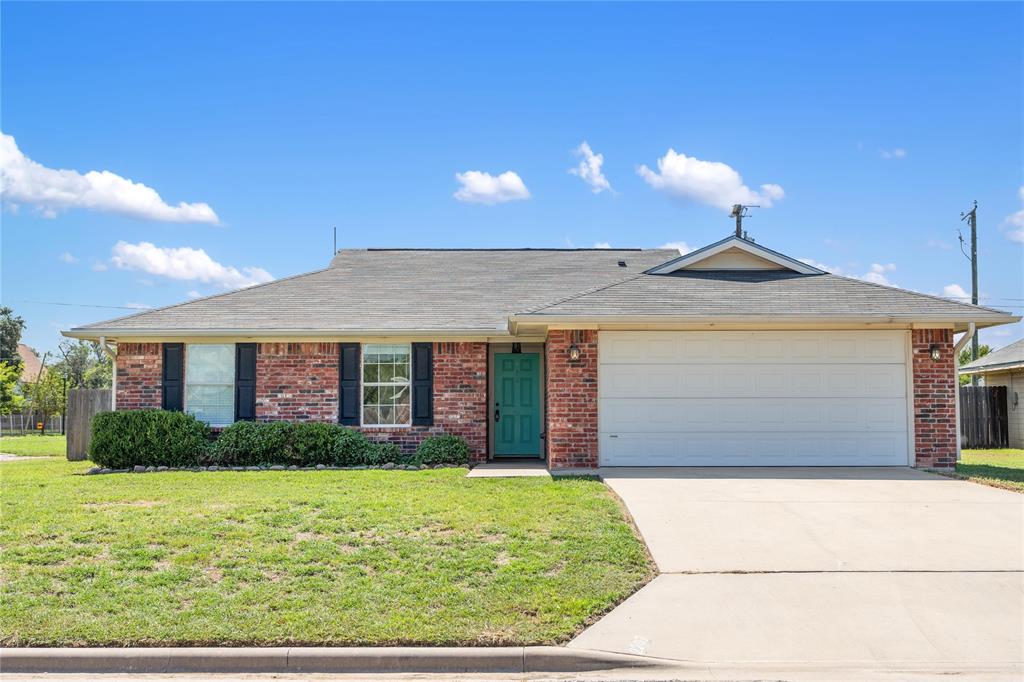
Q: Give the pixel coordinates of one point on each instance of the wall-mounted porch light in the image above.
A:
(574, 353)
(935, 352)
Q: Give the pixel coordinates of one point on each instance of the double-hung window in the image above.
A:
(386, 384)
(210, 382)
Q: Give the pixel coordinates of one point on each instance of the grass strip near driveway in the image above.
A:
(319, 558)
(34, 446)
(1001, 468)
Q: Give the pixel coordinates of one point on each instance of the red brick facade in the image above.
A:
(935, 386)
(139, 376)
(571, 399)
(297, 382)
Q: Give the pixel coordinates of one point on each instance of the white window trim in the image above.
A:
(363, 385)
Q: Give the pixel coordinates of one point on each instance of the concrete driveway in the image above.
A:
(824, 567)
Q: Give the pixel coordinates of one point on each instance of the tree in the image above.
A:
(11, 328)
(84, 365)
(46, 396)
(10, 401)
(965, 357)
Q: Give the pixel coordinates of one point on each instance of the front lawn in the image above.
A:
(326, 557)
(34, 445)
(1002, 468)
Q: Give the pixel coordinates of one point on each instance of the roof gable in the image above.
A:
(734, 253)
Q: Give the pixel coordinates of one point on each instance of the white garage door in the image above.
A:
(753, 398)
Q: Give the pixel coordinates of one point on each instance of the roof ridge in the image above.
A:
(585, 292)
(201, 298)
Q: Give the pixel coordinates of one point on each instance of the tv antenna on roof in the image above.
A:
(739, 212)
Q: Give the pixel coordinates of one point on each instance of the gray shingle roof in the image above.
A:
(759, 294)
(1006, 357)
(399, 289)
(408, 291)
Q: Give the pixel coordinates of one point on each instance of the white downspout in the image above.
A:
(971, 329)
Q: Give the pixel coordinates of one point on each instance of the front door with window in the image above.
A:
(516, 408)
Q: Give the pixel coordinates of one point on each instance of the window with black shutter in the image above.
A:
(422, 384)
(245, 381)
(172, 394)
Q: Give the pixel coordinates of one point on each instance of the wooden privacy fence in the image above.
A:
(984, 419)
(83, 405)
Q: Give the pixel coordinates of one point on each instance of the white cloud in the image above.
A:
(138, 306)
(184, 263)
(99, 267)
(67, 257)
(483, 188)
(602, 245)
(23, 181)
(682, 247)
(877, 274)
(194, 294)
(589, 169)
(896, 153)
(955, 291)
(1015, 221)
(708, 182)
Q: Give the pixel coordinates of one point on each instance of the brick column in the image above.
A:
(571, 399)
(935, 386)
(139, 376)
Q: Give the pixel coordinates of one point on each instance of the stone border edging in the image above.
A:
(367, 660)
(389, 466)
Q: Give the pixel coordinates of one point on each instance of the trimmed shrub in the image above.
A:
(351, 448)
(383, 452)
(314, 443)
(443, 449)
(125, 438)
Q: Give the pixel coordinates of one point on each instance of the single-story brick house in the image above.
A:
(730, 355)
(1005, 367)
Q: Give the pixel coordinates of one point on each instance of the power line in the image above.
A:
(83, 305)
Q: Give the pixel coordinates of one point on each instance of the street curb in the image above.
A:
(531, 659)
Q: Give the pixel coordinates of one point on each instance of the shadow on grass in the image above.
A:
(990, 471)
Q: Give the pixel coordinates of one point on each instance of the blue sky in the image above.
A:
(879, 122)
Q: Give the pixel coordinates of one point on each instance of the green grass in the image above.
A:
(1002, 468)
(34, 446)
(331, 557)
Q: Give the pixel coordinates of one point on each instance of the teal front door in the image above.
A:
(516, 406)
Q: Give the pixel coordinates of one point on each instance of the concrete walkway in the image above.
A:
(841, 568)
(509, 469)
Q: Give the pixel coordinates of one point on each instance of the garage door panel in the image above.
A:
(753, 398)
(766, 449)
(622, 415)
(754, 347)
(769, 381)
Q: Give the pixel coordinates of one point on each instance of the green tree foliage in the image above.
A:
(10, 400)
(11, 327)
(83, 364)
(46, 397)
(965, 357)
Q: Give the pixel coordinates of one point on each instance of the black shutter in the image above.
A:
(245, 382)
(422, 384)
(348, 384)
(172, 390)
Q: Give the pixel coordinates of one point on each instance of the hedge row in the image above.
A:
(129, 438)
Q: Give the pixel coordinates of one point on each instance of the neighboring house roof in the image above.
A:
(31, 365)
(494, 291)
(1006, 358)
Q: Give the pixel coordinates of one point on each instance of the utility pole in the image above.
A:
(739, 212)
(972, 219)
